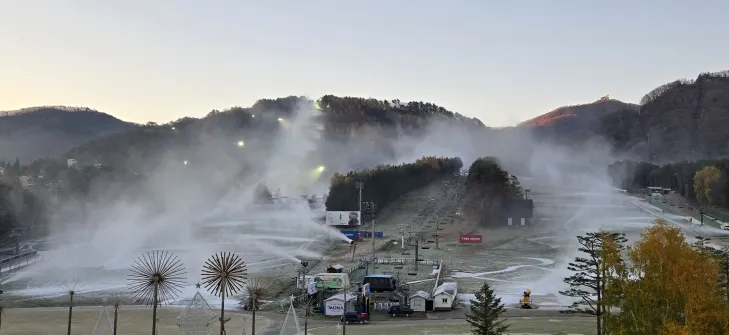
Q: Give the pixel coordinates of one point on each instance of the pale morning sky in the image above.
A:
(501, 61)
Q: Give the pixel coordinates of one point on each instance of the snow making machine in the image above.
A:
(525, 301)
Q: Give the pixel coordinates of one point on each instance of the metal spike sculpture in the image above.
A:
(156, 277)
(255, 289)
(71, 287)
(116, 301)
(307, 305)
(224, 274)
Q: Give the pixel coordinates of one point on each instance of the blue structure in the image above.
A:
(380, 283)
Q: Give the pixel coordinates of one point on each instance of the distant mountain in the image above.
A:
(577, 117)
(681, 120)
(353, 130)
(38, 132)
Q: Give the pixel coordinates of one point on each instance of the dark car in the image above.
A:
(247, 304)
(400, 311)
(354, 317)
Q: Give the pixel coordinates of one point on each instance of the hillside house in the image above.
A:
(2, 171)
(417, 300)
(336, 305)
(71, 163)
(444, 296)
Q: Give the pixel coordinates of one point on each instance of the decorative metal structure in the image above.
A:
(156, 277)
(198, 317)
(290, 325)
(224, 274)
(307, 306)
(116, 301)
(253, 290)
(71, 288)
(103, 323)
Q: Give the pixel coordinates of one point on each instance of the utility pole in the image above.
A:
(437, 229)
(344, 314)
(458, 179)
(370, 209)
(359, 185)
(417, 250)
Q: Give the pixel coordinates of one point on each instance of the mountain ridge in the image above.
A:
(684, 119)
(45, 131)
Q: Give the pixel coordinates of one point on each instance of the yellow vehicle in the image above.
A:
(526, 300)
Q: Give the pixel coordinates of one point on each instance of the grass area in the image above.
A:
(131, 321)
(672, 208)
(575, 325)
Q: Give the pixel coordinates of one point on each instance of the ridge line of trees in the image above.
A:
(384, 184)
(705, 182)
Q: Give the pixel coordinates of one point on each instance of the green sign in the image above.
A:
(328, 281)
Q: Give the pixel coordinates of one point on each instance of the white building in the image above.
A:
(445, 296)
(2, 171)
(417, 300)
(71, 162)
(25, 181)
(335, 305)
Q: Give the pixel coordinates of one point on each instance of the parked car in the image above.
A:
(354, 317)
(400, 311)
(247, 304)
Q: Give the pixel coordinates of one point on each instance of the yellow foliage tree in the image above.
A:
(704, 179)
(669, 288)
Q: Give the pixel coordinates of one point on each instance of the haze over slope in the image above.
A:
(38, 132)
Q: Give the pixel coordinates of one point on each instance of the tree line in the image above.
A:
(662, 90)
(386, 183)
(705, 182)
(663, 284)
(660, 285)
(491, 188)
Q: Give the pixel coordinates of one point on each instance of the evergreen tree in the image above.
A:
(16, 167)
(485, 313)
(592, 274)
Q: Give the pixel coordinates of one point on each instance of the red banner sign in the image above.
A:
(471, 238)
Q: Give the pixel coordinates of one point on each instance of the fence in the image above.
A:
(19, 261)
(352, 268)
(383, 306)
(16, 257)
(404, 261)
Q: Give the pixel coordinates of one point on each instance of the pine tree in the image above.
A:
(592, 274)
(485, 312)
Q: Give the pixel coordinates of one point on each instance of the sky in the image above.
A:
(501, 61)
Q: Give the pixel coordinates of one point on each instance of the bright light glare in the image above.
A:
(321, 168)
(280, 119)
(185, 162)
(241, 144)
(253, 115)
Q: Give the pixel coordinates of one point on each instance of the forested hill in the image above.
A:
(362, 124)
(37, 132)
(681, 120)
